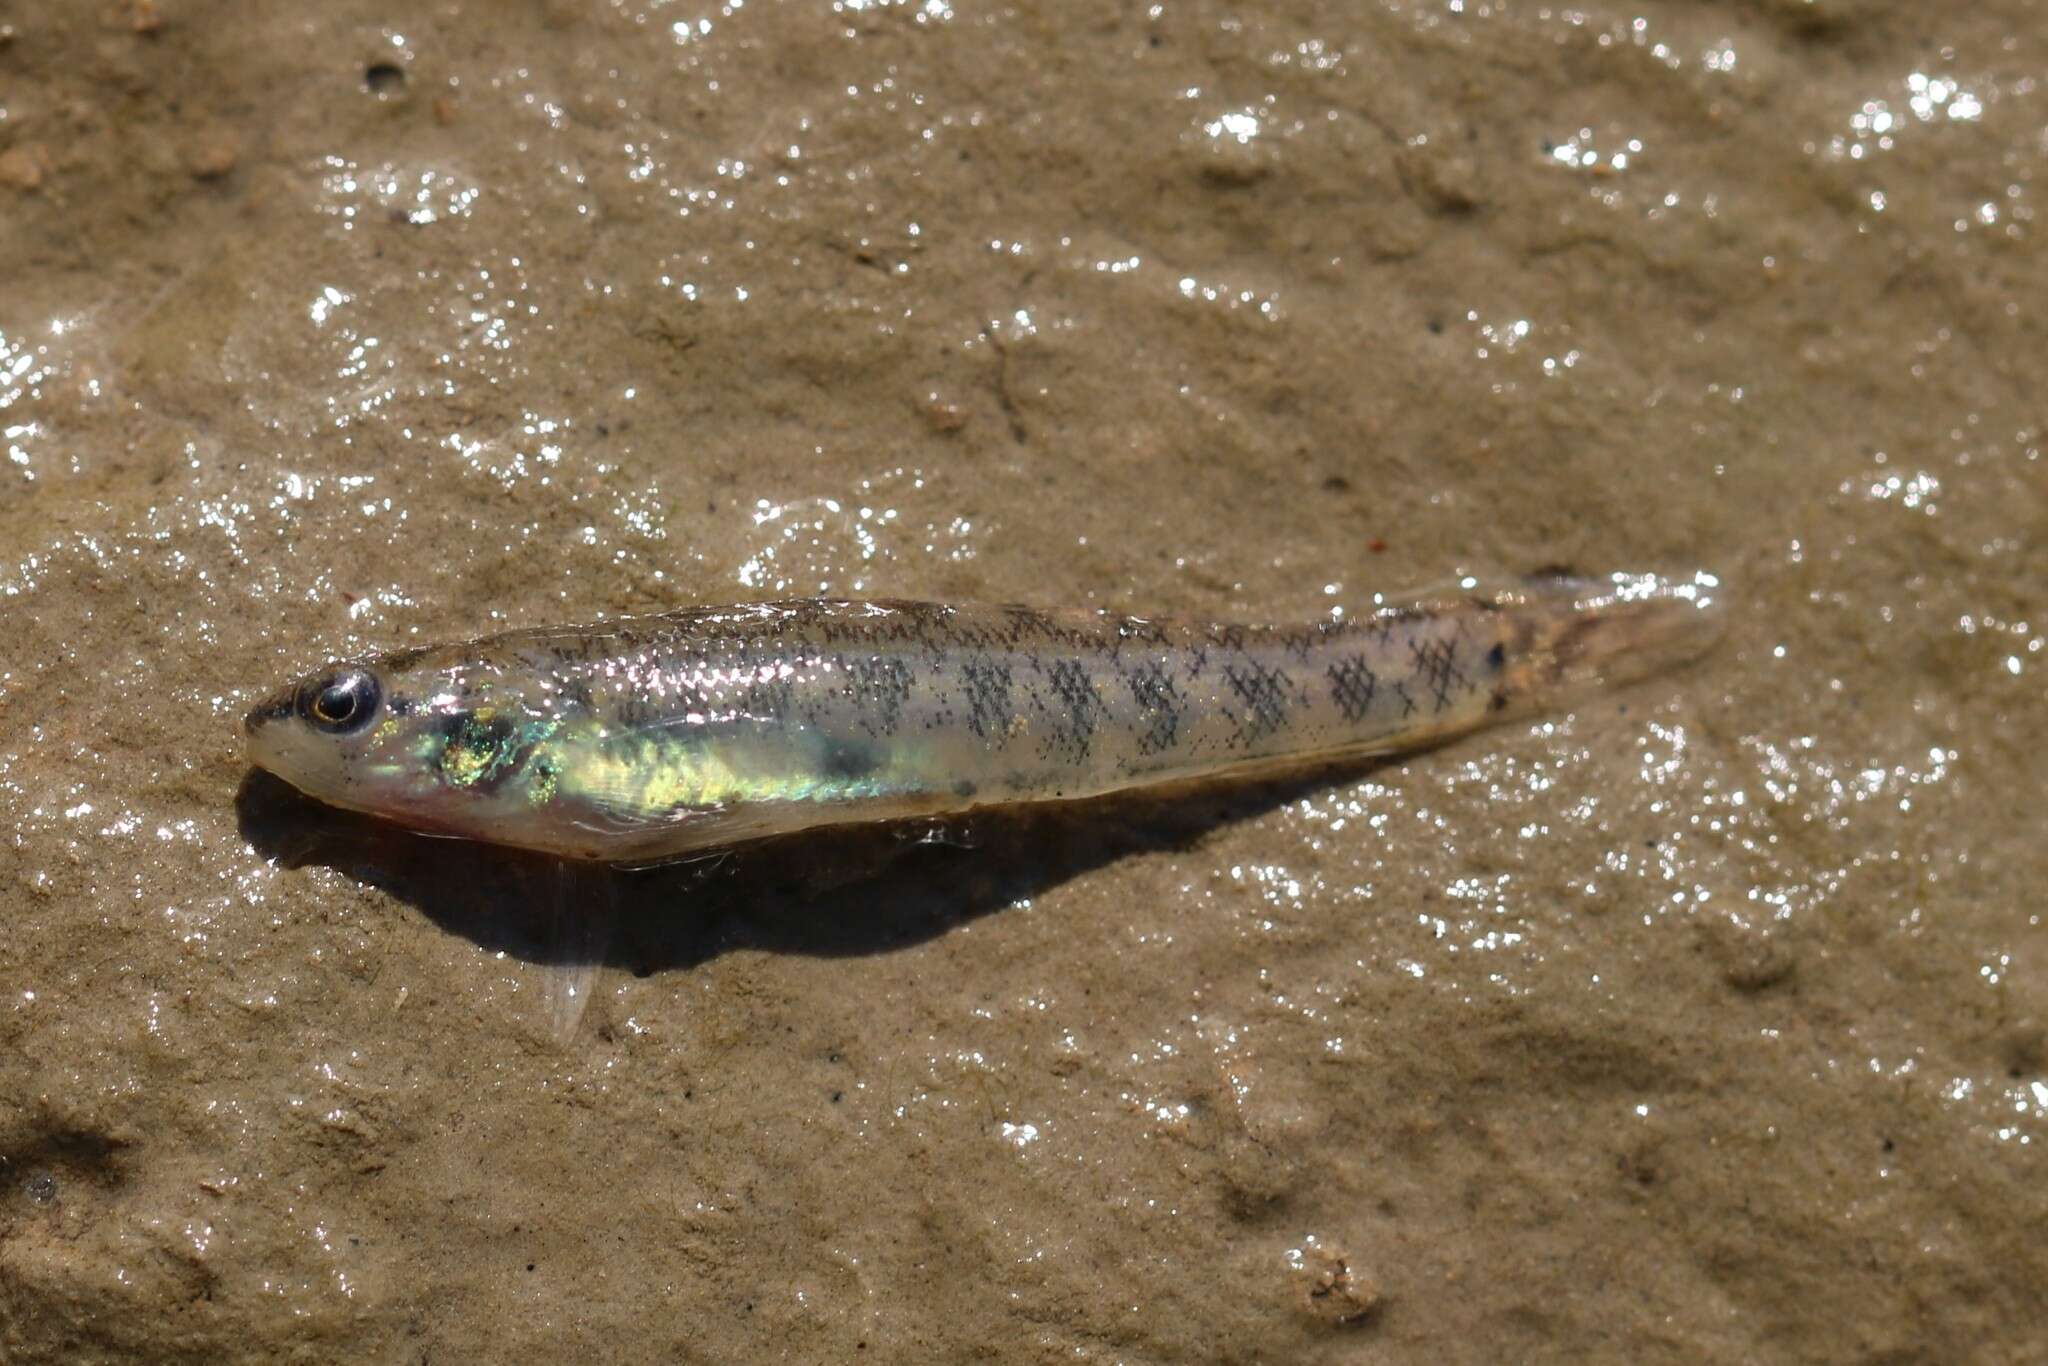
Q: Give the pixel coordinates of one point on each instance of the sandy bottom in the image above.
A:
(1704, 1022)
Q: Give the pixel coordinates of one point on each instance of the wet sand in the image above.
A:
(1708, 1021)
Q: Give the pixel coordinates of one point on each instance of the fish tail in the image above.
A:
(1576, 634)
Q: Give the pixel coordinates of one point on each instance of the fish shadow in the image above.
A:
(829, 893)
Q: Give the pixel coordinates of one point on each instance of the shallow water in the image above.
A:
(1707, 1021)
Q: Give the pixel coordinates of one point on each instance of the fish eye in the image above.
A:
(342, 703)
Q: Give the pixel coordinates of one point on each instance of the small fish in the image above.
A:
(651, 738)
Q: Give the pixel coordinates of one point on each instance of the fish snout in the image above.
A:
(279, 706)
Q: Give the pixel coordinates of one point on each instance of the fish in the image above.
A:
(648, 739)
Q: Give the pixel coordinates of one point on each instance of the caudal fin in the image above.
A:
(1587, 632)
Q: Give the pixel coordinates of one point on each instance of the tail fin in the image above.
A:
(1585, 632)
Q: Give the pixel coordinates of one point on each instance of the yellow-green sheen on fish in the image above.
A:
(652, 737)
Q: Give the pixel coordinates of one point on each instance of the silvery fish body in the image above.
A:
(649, 738)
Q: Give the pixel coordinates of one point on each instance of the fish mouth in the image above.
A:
(274, 742)
(263, 740)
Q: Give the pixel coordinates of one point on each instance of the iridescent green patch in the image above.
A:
(484, 749)
(546, 773)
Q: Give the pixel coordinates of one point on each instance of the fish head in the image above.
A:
(439, 742)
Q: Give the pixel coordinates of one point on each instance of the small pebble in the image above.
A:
(945, 418)
(1334, 1291)
(23, 168)
(212, 156)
